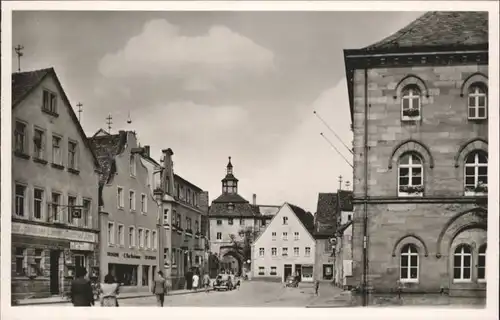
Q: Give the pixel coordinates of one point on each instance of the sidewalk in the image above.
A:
(330, 297)
(122, 296)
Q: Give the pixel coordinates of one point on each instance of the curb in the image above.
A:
(171, 293)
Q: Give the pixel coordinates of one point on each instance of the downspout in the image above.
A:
(365, 204)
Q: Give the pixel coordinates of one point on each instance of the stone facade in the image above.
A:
(443, 137)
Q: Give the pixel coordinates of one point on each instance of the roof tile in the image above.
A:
(326, 217)
(24, 82)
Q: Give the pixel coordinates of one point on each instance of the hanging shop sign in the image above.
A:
(51, 232)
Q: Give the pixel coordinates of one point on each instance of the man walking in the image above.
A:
(206, 282)
(160, 288)
(81, 291)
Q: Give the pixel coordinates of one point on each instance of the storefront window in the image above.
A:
(145, 275)
(124, 273)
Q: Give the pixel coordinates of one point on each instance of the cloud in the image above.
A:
(198, 61)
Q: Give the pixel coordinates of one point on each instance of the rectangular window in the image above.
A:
(111, 233)
(261, 271)
(296, 251)
(165, 216)
(230, 221)
(219, 222)
(141, 237)
(308, 251)
(49, 102)
(296, 236)
(219, 235)
(132, 165)
(39, 262)
(86, 212)
(72, 155)
(147, 239)
(179, 221)
(39, 144)
(131, 237)
(261, 252)
(119, 197)
(20, 137)
(144, 203)
(274, 252)
(155, 239)
(285, 220)
(56, 150)
(121, 235)
(242, 222)
(131, 200)
(56, 203)
(21, 262)
(20, 205)
(38, 203)
(197, 226)
(285, 236)
(273, 271)
(284, 252)
(165, 256)
(273, 235)
(70, 208)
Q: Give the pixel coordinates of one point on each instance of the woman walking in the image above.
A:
(109, 292)
(196, 279)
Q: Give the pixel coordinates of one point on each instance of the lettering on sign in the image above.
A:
(113, 254)
(82, 246)
(131, 256)
(150, 257)
(50, 232)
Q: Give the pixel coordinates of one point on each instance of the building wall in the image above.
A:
(444, 129)
(324, 259)
(267, 242)
(127, 253)
(226, 230)
(30, 233)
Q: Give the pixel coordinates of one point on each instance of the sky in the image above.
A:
(210, 85)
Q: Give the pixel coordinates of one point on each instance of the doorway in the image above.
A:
(298, 271)
(54, 271)
(80, 261)
(287, 271)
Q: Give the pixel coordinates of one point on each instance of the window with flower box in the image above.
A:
(411, 103)
(410, 176)
(476, 174)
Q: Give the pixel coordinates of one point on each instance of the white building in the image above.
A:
(286, 247)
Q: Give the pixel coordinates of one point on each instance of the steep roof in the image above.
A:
(23, 83)
(345, 200)
(439, 29)
(343, 227)
(186, 182)
(107, 147)
(305, 217)
(230, 198)
(326, 215)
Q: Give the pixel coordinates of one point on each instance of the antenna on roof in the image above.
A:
(329, 128)
(109, 123)
(129, 120)
(80, 110)
(19, 53)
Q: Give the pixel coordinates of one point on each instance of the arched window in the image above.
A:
(481, 263)
(462, 263)
(410, 171)
(409, 264)
(476, 173)
(410, 103)
(477, 102)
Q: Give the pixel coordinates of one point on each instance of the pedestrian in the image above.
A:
(206, 282)
(189, 279)
(316, 286)
(196, 279)
(160, 288)
(109, 292)
(81, 292)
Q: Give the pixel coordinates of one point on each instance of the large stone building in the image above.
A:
(234, 219)
(128, 213)
(419, 111)
(55, 177)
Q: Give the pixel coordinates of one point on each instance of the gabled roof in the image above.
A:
(107, 147)
(305, 217)
(439, 29)
(243, 210)
(326, 215)
(23, 83)
(186, 182)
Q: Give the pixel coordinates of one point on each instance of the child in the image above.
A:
(316, 286)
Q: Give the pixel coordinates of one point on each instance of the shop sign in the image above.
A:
(83, 246)
(150, 257)
(113, 254)
(51, 232)
(131, 256)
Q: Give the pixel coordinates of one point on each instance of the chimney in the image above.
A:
(169, 169)
(254, 201)
(146, 151)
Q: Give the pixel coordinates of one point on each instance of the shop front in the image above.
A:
(44, 259)
(135, 271)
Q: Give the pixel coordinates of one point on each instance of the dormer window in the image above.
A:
(411, 103)
(477, 102)
(230, 207)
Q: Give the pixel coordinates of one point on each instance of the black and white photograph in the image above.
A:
(263, 157)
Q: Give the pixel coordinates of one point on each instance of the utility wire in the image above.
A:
(331, 144)
(326, 124)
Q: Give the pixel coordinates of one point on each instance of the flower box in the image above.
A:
(481, 188)
(411, 189)
(413, 112)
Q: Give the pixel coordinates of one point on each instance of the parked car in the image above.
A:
(224, 282)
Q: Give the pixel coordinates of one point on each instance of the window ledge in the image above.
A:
(51, 113)
(73, 171)
(57, 166)
(408, 280)
(462, 280)
(481, 280)
(41, 161)
(21, 155)
(478, 119)
(474, 194)
(410, 195)
(410, 119)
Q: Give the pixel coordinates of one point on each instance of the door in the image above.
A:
(328, 271)
(153, 276)
(298, 271)
(287, 271)
(54, 271)
(80, 261)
